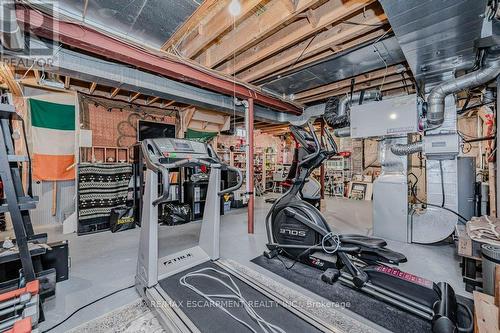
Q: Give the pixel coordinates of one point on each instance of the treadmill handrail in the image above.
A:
(238, 185)
(163, 168)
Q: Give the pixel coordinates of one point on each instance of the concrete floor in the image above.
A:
(104, 262)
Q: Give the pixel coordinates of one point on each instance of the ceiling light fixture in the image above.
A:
(235, 7)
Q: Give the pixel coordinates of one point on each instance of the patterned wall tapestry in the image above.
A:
(101, 187)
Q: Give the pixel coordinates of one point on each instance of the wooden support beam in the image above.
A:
(199, 14)
(291, 4)
(254, 29)
(312, 17)
(310, 47)
(152, 100)
(67, 82)
(170, 103)
(187, 116)
(219, 24)
(332, 12)
(134, 97)
(7, 75)
(93, 85)
(114, 92)
(379, 73)
(387, 83)
(36, 72)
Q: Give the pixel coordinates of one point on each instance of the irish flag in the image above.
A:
(53, 140)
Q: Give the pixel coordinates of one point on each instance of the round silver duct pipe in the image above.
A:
(11, 35)
(435, 100)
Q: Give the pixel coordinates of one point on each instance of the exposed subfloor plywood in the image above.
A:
(105, 262)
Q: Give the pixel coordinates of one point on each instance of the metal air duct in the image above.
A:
(337, 109)
(435, 100)
(11, 35)
(342, 132)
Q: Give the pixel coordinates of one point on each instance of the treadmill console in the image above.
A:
(167, 150)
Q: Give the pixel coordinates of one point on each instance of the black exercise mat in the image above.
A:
(383, 314)
(212, 319)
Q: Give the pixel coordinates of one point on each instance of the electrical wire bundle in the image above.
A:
(234, 294)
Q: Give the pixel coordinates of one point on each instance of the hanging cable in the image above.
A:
(414, 193)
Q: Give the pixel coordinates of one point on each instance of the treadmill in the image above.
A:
(183, 288)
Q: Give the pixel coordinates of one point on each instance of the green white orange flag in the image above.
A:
(53, 139)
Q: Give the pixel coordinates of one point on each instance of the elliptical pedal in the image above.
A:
(271, 253)
(330, 276)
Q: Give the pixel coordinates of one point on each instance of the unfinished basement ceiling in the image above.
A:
(349, 64)
(149, 22)
(286, 47)
(437, 37)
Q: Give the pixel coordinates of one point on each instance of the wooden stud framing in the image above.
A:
(134, 97)
(152, 100)
(93, 85)
(114, 92)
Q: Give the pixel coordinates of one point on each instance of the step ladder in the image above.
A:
(15, 201)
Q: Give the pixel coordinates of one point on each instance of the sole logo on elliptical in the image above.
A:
(293, 232)
(178, 259)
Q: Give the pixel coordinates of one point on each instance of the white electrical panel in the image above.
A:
(395, 117)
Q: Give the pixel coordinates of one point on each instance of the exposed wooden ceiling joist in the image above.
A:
(8, 77)
(67, 82)
(377, 83)
(330, 13)
(371, 36)
(330, 39)
(199, 14)
(254, 29)
(220, 23)
(347, 82)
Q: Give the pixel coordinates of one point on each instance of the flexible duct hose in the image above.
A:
(337, 108)
(407, 149)
(342, 132)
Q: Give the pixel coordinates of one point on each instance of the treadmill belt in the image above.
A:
(381, 313)
(209, 318)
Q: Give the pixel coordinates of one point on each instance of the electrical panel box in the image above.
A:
(443, 146)
(391, 117)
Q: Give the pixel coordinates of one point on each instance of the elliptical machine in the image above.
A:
(297, 230)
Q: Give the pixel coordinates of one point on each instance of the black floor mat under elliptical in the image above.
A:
(381, 313)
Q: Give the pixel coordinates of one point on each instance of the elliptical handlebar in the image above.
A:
(333, 144)
(297, 132)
